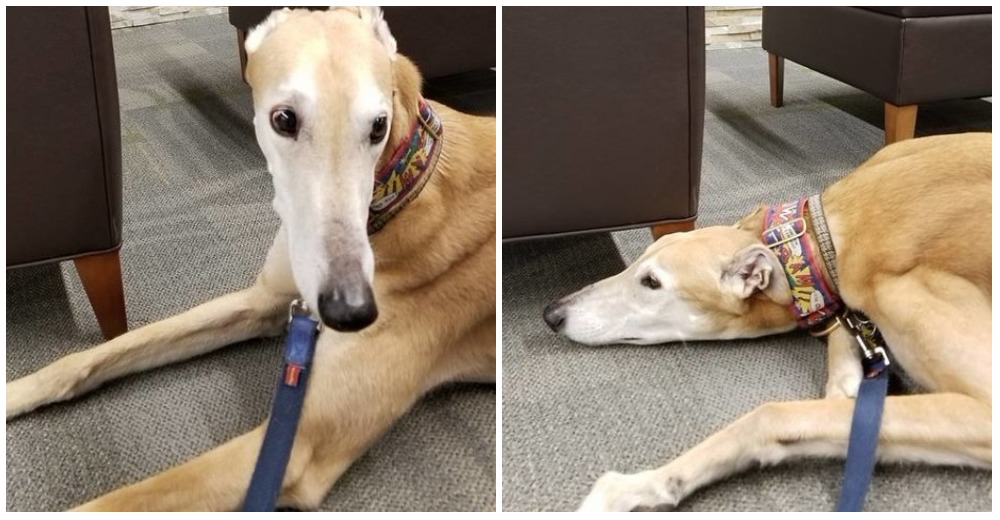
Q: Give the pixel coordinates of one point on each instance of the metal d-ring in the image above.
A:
(298, 307)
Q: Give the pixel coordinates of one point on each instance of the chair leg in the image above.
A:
(672, 227)
(241, 37)
(101, 275)
(776, 68)
(900, 122)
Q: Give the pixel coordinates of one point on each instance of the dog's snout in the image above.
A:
(348, 310)
(555, 316)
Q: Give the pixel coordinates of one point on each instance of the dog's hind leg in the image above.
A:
(258, 310)
(369, 385)
(214, 481)
(947, 429)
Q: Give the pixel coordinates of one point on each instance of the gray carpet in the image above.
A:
(197, 224)
(571, 412)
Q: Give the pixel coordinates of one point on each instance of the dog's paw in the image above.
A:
(843, 386)
(618, 492)
(18, 398)
(28, 393)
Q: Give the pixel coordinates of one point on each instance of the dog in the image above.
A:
(400, 270)
(911, 233)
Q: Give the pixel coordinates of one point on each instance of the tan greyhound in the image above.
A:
(404, 310)
(912, 234)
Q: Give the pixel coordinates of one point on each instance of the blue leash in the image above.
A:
(867, 420)
(269, 473)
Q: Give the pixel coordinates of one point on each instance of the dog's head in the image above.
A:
(712, 283)
(330, 103)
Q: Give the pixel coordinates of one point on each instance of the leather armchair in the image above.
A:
(441, 41)
(64, 171)
(903, 55)
(603, 119)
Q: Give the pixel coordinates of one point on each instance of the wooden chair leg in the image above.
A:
(101, 275)
(900, 122)
(671, 227)
(776, 68)
(241, 37)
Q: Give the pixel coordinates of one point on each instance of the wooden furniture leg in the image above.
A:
(672, 227)
(900, 122)
(776, 68)
(101, 275)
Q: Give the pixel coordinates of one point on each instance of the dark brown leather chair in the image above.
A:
(903, 55)
(603, 116)
(64, 171)
(441, 41)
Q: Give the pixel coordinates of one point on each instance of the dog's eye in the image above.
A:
(650, 281)
(379, 127)
(285, 122)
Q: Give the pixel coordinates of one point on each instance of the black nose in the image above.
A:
(346, 310)
(555, 316)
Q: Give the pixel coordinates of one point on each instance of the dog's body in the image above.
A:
(434, 265)
(912, 233)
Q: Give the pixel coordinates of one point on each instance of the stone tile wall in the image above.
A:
(732, 27)
(130, 16)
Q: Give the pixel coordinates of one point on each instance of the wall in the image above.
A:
(732, 27)
(129, 16)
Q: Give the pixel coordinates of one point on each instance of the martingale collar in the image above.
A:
(407, 172)
(786, 233)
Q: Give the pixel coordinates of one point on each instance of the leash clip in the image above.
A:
(299, 308)
(869, 339)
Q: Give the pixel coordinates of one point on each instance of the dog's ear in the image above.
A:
(753, 221)
(756, 268)
(373, 16)
(256, 35)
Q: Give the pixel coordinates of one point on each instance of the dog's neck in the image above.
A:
(797, 235)
(400, 180)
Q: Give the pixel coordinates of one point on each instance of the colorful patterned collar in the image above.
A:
(785, 232)
(407, 172)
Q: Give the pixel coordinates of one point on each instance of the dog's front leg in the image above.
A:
(843, 364)
(951, 429)
(360, 384)
(258, 310)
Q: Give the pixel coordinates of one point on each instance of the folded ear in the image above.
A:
(256, 35)
(753, 221)
(372, 15)
(756, 268)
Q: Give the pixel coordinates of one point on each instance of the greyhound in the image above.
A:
(403, 310)
(912, 235)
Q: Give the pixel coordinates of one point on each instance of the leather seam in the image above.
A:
(100, 125)
(902, 59)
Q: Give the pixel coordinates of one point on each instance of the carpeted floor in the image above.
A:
(571, 412)
(197, 224)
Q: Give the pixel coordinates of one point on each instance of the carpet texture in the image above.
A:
(197, 224)
(572, 412)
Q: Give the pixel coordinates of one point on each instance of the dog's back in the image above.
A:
(922, 202)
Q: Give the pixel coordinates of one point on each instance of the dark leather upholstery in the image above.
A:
(442, 41)
(903, 55)
(603, 118)
(64, 173)
(919, 11)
